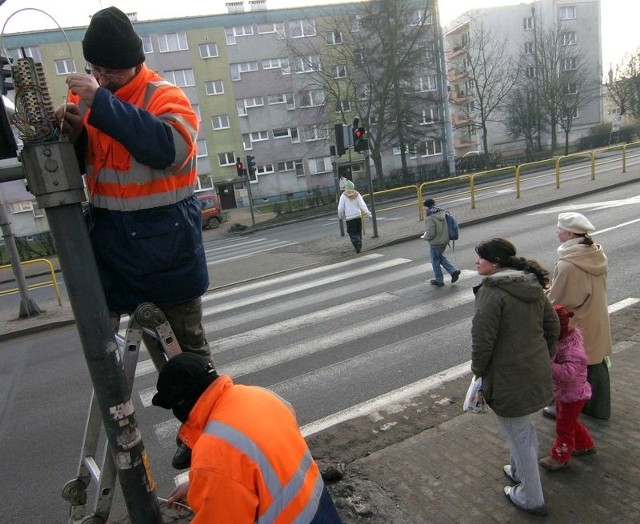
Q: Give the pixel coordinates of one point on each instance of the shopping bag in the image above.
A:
(474, 401)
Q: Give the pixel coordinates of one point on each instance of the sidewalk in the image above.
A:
(450, 469)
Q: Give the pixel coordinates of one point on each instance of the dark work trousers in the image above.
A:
(354, 229)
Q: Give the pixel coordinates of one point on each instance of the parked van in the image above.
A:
(211, 212)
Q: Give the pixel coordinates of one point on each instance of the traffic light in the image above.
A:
(251, 165)
(343, 138)
(239, 167)
(360, 142)
(5, 78)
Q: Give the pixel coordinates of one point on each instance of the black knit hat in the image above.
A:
(111, 41)
(183, 378)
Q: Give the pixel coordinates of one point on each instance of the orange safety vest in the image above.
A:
(249, 460)
(115, 180)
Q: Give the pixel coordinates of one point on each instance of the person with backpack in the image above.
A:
(437, 234)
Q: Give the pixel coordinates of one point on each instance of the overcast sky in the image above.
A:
(620, 18)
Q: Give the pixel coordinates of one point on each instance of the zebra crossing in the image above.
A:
(229, 249)
(334, 337)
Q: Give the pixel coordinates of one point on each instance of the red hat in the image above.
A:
(564, 315)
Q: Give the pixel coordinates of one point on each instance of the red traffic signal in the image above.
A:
(360, 143)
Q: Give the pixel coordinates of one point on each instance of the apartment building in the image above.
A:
(542, 36)
(252, 75)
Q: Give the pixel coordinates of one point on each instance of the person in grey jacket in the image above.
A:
(437, 234)
(514, 334)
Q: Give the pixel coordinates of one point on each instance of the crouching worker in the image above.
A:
(249, 461)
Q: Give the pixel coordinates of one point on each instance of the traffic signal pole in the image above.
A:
(54, 178)
(374, 220)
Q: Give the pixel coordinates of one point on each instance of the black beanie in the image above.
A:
(183, 379)
(111, 41)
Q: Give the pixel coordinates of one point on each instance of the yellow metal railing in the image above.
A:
(469, 182)
(53, 282)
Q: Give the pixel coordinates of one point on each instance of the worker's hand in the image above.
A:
(83, 85)
(72, 125)
(178, 495)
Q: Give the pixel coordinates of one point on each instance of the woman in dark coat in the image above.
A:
(514, 334)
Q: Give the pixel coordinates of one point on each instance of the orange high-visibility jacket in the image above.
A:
(249, 460)
(132, 174)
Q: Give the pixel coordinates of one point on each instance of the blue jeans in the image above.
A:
(438, 259)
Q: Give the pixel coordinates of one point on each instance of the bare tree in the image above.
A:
(623, 85)
(492, 74)
(563, 80)
(383, 72)
(522, 121)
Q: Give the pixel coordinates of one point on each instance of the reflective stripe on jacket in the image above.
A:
(125, 166)
(250, 462)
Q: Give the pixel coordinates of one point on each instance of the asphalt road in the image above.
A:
(327, 338)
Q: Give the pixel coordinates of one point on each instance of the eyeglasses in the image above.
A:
(107, 75)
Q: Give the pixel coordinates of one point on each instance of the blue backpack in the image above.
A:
(452, 226)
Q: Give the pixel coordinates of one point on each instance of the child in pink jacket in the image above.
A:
(571, 390)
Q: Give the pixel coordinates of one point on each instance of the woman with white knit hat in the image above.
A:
(580, 284)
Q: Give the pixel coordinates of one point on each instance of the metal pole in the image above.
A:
(336, 183)
(253, 218)
(54, 178)
(28, 307)
(374, 221)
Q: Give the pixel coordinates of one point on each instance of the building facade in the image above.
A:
(554, 51)
(266, 83)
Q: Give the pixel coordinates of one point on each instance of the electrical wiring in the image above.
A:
(34, 116)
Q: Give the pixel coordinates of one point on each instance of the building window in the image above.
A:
(320, 165)
(147, 46)
(205, 181)
(528, 24)
(334, 37)
(339, 71)
(420, 17)
(355, 23)
(429, 115)
(433, 147)
(313, 133)
(214, 87)
(427, 83)
(343, 106)
(311, 98)
(24, 52)
(226, 159)
(196, 109)
(65, 66)
(231, 33)
(430, 50)
(531, 72)
(259, 136)
(208, 50)
(264, 169)
(180, 77)
(201, 146)
(287, 132)
(242, 67)
(568, 38)
(302, 28)
(220, 122)
(569, 64)
(277, 63)
(169, 42)
(21, 207)
(568, 12)
(358, 57)
(571, 88)
(307, 64)
(277, 28)
(528, 48)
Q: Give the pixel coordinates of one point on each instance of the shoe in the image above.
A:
(582, 452)
(538, 512)
(436, 283)
(508, 472)
(455, 276)
(549, 412)
(551, 464)
(182, 457)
